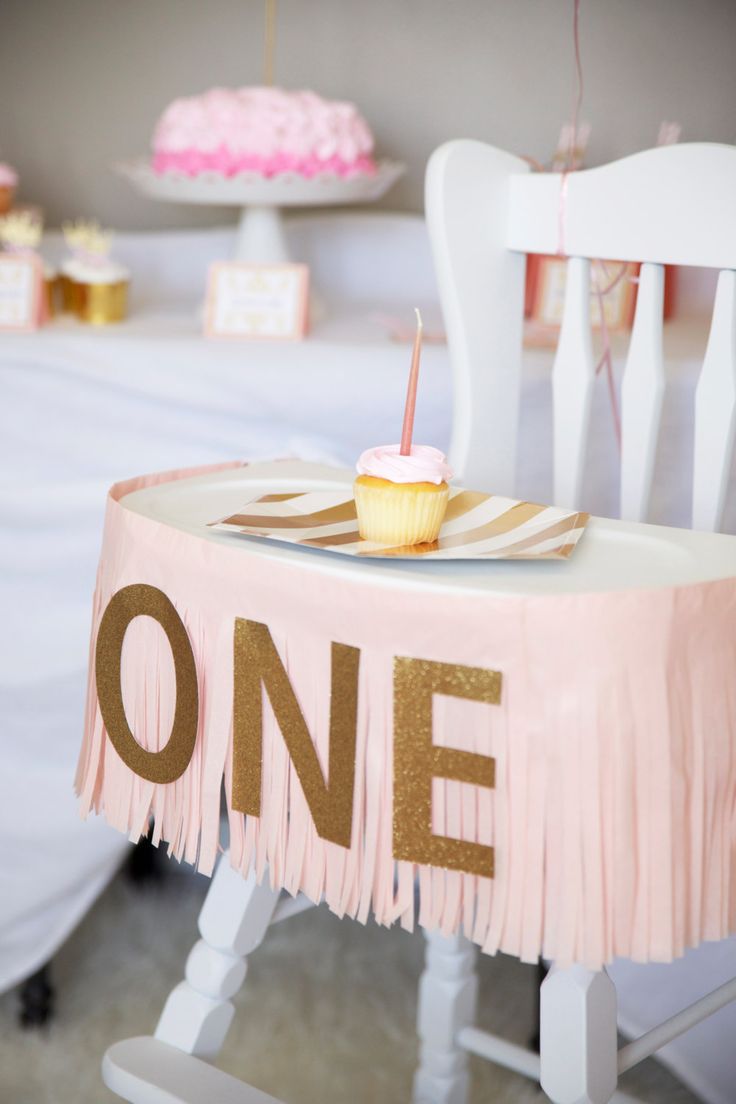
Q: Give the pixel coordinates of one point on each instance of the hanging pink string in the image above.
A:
(577, 104)
(606, 360)
(562, 214)
(579, 76)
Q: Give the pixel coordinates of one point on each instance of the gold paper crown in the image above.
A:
(87, 237)
(20, 230)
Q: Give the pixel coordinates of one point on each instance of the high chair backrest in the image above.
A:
(672, 205)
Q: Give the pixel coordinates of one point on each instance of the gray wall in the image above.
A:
(82, 81)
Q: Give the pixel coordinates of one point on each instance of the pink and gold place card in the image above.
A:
(476, 525)
(254, 301)
(21, 292)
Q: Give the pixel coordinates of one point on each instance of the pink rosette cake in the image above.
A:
(262, 130)
(401, 499)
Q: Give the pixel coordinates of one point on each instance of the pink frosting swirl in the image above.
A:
(424, 464)
(192, 162)
(266, 130)
(8, 176)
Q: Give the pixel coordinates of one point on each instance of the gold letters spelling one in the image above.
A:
(257, 665)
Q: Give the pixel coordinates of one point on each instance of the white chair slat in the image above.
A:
(642, 393)
(715, 410)
(481, 284)
(573, 377)
(672, 205)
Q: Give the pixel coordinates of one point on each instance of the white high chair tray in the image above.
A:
(615, 555)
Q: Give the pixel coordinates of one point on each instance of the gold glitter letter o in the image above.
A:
(134, 601)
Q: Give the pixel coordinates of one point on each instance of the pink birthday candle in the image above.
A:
(411, 391)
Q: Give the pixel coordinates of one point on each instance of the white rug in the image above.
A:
(326, 1014)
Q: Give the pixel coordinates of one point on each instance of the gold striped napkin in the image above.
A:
(476, 525)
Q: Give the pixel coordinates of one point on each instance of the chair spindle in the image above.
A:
(642, 393)
(573, 377)
(715, 410)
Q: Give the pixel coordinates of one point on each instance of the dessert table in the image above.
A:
(82, 408)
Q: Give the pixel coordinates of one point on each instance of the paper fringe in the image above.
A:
(566, 847)
(613, 818)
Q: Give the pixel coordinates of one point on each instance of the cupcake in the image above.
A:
(8, 184)
(96, 292)
(401, 492)
(401, 498)
(94, 287)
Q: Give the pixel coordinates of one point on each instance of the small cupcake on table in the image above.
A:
(8, 184)
(94, 286)
(401, 491)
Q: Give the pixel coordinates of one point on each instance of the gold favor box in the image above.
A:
(97, 304)
(68, 290)
(101, 304)
(50, 284)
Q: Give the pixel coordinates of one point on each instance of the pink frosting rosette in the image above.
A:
(263, 130)
(424, 464)
(8, 176)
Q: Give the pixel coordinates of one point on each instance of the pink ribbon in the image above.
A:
(606, 359)
(562, 210)
(562, 214)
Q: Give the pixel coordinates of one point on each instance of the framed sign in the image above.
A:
(548, 294)
(21, 293)
(263, 302)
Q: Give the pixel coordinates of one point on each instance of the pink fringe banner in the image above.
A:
(613, 817)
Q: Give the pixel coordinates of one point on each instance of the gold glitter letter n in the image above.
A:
(257, 664)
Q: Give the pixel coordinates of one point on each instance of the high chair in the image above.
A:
(486, 212)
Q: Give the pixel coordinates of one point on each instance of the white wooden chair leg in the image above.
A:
(233, 921)
(447, 1000)
(578, 1038)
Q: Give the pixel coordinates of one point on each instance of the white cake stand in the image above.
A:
(261, 238)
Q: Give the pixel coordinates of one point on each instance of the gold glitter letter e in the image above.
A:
(417, 761)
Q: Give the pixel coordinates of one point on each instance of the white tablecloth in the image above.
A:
(81, 408)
